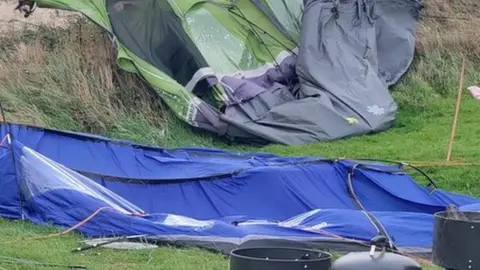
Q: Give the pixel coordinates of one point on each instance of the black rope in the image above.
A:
(375, 222)
(401, 166)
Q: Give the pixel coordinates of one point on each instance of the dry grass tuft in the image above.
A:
(450, 27)
(68, 78)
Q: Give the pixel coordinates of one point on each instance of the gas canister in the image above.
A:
(375, 260)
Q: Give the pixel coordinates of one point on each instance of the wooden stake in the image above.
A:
(457, 110)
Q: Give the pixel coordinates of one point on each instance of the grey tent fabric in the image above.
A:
(396, 23)
(344, 66)
(338, 66)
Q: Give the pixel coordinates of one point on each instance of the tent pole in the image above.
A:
(457, 109)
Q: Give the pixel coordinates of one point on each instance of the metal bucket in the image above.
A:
(456, 242)
(278, 258)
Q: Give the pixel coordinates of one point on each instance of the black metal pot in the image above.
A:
(456, 242)
(278, 258)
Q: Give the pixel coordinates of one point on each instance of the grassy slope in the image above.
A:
(47, 85)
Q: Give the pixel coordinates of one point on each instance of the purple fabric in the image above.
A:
(209, 119)
(242, 89)
(212, 81)
(239, 90)
(286, 72)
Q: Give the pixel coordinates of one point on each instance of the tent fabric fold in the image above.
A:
(211, 198)
(265, 71)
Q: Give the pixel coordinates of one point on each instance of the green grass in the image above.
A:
(58, 251)
(57, 94)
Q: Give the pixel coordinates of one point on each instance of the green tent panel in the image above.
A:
(282, 71)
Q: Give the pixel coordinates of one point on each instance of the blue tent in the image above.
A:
(211, 198)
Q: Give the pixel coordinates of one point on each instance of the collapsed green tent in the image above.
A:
(281, 71)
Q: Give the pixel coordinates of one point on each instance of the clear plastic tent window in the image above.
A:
(223, 51)
(41, 175)
(289, 14)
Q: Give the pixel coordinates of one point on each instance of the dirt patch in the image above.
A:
(12, 20)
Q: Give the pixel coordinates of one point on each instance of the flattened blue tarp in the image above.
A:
(205, 196)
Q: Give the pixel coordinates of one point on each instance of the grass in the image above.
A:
(58, 251)
(67, 79)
